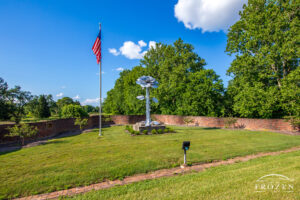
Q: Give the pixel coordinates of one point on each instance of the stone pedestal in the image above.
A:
(140, 126)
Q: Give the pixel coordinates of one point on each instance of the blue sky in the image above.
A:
(45, 46)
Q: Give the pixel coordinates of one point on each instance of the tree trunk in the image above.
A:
(275, 70)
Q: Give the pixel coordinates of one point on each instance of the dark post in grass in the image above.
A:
(185, 146)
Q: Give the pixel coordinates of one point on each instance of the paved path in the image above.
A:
(151, 175)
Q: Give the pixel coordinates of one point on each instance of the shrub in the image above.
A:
(229, 122)
(154, 131)
(294, 121)
(136, 132)
(131, 130)
(106, 118)
(73, 111)
(145, 132)
(187, 120)
(23, 131)
(160, 131)
(169, 130)
(166, 130)
(82, 122)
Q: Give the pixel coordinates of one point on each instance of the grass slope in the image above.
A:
(85, 159)
(235, 181)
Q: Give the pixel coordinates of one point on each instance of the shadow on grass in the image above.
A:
(194, 128)
(67, 134)
(78, 132)
(210, 128)
(54, 142)
(51, 140)
(10, 149)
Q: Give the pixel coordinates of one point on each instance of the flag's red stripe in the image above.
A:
(97, 49)
(96, 45)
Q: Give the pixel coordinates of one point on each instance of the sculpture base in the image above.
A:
(140, 126)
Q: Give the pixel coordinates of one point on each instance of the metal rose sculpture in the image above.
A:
(147, 82)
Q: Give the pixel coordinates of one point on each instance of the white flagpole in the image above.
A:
(100, 82)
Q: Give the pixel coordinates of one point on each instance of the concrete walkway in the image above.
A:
(151, 175)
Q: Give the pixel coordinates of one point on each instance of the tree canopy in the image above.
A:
(185, 87)
(40, 106)
(265, 42)
(265, 75)
(73, 111)
(4, 109)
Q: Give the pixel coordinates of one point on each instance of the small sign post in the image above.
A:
(185, 147)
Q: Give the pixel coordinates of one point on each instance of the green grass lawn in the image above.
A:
(235, 181)
(85, 159)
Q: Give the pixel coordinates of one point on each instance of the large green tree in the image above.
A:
(57, 108)
(40, 106)
(122, 98)
(265, 42)
(185, 87)
(12, 102)
(4, 109)
(90, 109)
(290, 93)
(16, 102)
(73, 111)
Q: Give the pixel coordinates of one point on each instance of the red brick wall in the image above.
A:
(127, 119)
(251, 124)
(51, 128)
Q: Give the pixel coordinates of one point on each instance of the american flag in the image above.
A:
(97, 47)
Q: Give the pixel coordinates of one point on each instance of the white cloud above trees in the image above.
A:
(132, 50)
(76, 97)
(208, 15)
(60, 94)
(91, 101)
(152, 44)
(114, 51)
(120, 69)
(142, 43)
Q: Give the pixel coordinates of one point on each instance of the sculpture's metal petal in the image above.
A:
(155, 100)
(150, 79)
(155, 84)
(141, 97)
(147, 81)
(155, 123)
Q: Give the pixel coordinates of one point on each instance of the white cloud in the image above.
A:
(60, 94)
(63, 87)
(131, 50)
(114, 51)
(120, 69)
(99, 73)
(152, 44)
(76, 97)
(208, 15)
(91, 101)
(142, 43)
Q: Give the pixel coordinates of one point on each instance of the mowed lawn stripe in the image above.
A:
(236, 181)
(85, 159)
